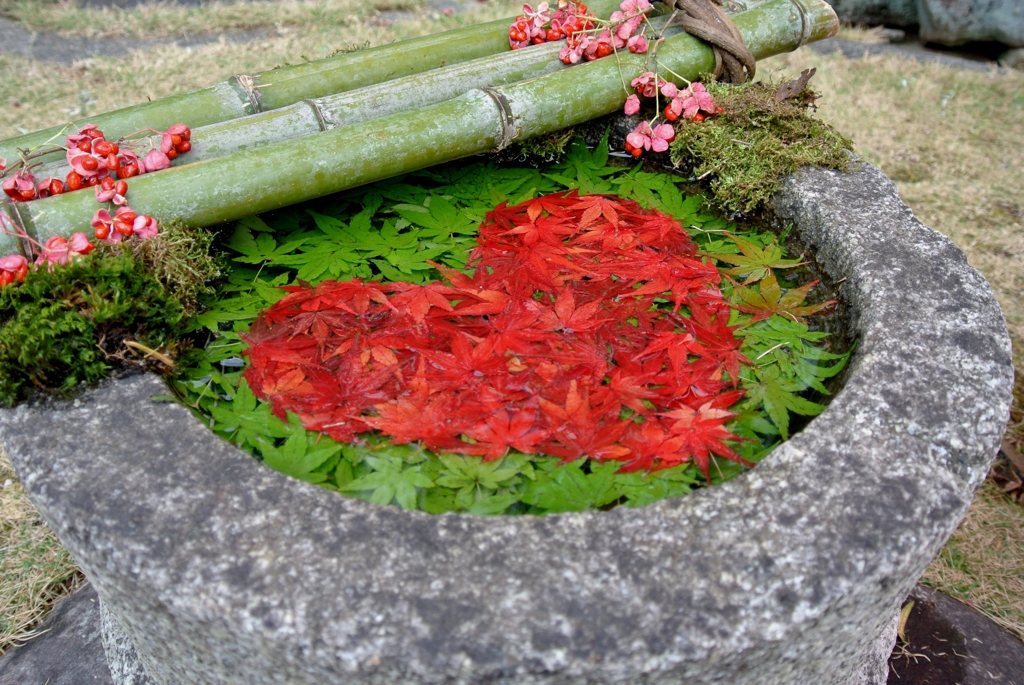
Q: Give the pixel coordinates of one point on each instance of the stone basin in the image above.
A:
(212, 568)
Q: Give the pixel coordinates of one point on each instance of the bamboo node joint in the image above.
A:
(248, 85)
(321, 120)
(509, 132)
(805, 24)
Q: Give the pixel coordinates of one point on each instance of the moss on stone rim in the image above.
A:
(745, 151)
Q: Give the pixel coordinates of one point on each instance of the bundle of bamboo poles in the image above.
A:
(242, 164)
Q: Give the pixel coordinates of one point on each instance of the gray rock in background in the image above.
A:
(67, 650)
(946, 22)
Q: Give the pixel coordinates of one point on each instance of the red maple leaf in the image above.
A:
(500, 431)
(555, 331)
(702, 434)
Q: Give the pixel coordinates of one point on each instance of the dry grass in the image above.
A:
(168, 19)
(38, 95)
(872, 36)
(35, 570)
(950, 139)
(983, 563)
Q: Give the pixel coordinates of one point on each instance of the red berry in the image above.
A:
(21, 273)
(107, 183)
(128, 216)
(176, 140)
(90, 164)
(187, 133)
(554, 34)
(121, 188)
(172, 153)
(6, 278)
(56, 186)
(94, 133)
(101, 148)
(603, 50)
(85, 146)
(123, 227)
(184, 147)
(670, 113)
(92, 181)
(538, 39)
(74, 180)
(698, 117)
(102, 231)
(128, 170)
(112, 162)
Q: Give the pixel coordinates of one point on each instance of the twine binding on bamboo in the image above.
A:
(734, 63)
(248, 85)
(509, 131)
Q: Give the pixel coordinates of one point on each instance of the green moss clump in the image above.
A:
(746, 151)
(67, 326)
(545, 148)
(179, 257)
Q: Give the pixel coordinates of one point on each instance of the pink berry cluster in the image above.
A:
(692, 103)
(584, 38)
(92, 159)
(538, 26)
(99, 164)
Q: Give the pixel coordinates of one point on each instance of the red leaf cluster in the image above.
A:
(541, 350)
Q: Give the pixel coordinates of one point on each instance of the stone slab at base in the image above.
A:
(220, 570)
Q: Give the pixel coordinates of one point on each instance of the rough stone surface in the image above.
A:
(66, 650)
(220, 570)
(1012, 59)
(947, 22)
(122, 659)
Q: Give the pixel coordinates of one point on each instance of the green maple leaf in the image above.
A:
(682, 208)
(641, 489)
(757, 262)
(473, 478)
(585, 169)
(790, 344)
(260, 248)
(439, 217)
(769, 299)
(642, 186)
(391, 480)
(567, 488)
(297, 457)
(778, 397)
(247, 421)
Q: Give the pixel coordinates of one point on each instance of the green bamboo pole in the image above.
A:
(370, 102)
(244, 95)
(253, 181)
(350, 107)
